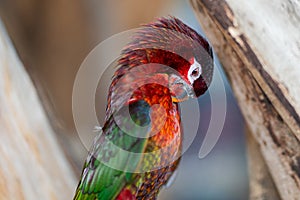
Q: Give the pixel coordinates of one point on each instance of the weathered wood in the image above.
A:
(267, 100)
(52, 38)
(32, 164)
(273, 32)
(261, 183)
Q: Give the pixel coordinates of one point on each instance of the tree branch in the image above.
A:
(32, 166)
(268, 100)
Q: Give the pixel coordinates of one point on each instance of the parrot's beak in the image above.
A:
(200, 87)
(180, 89)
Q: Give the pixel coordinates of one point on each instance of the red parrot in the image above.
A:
(139, 146)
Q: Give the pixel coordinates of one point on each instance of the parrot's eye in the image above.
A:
(194, 71)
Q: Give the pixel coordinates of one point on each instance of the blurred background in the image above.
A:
(53, 38)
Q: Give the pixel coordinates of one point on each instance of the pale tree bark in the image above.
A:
(32, 164)
(258, 45)
(261, 184)
(52, 38)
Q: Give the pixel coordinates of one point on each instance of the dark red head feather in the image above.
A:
(170, 42)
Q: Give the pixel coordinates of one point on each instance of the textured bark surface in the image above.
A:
(267, 98)
(32, 164)
(52, 38)
(261, 184)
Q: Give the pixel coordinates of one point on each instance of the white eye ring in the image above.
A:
(195, 71)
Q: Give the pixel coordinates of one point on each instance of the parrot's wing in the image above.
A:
(114, 155)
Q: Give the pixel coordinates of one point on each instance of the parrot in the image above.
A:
(139, 146)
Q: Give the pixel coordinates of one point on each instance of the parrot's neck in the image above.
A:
(165, 117)
(152, 87)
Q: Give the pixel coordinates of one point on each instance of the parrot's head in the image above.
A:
(195, 74)
(170, 42)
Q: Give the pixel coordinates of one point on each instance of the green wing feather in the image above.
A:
(100, 178)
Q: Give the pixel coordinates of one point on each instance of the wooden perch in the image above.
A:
(258, 45)
(32, 164)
